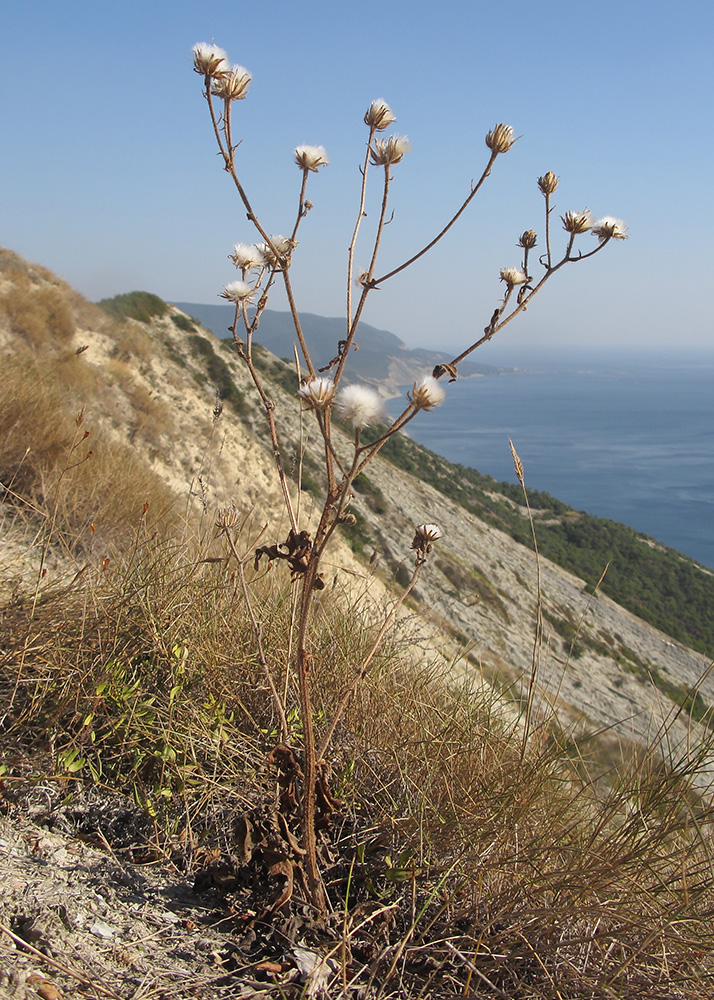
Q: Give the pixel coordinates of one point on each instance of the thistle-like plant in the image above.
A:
(268, 261)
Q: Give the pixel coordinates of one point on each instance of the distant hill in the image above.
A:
(381, 356)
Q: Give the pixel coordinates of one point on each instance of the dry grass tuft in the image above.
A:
(56, 462)
(41, 315)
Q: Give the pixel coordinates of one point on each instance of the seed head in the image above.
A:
(318, 393)
(548, 183)
(427, 393)
(379, 116)
(391, 150)
(209, 60)
(232, 85)
(227, 517)
(609, 228)
(247, 257)
(239, 292)
(513, 276)
(359, 405)
(578, 222)
(500, 138)
(424, 536)
(278, 251)
(528, 240)
(311, 157)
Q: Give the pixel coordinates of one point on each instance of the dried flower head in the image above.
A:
(311, 157)
(548, 183)
(379, 116)
(427, 393)
(278, 250)
(209, 60)
(513, 276)
(528, 240)
(391, 150)
(247, 257)
(233, 84)
(609, 228)
(578, 222)
(318, 393)
(424, 536)
(238, 291)
(227, 518)
(359, 405)
(500, 138)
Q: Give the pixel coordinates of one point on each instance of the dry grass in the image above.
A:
(61, 468)
(40, 315)
(500, 877)
(151, 417)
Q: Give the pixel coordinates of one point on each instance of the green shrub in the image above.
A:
(372, 494)
(142, 306)
(184, 323)
(217, 371)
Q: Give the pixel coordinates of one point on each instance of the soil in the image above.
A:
(83, 916)
(91, 907)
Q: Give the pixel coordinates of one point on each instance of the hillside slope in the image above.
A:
(153, 385)
(150, 844)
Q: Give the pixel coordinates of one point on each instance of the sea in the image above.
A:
(630, 439)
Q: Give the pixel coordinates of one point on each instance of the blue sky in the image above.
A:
(109, 175)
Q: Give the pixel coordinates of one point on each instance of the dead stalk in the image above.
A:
(318, 395)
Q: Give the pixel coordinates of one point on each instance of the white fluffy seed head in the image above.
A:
(283, 249)
(609, 228)
(427, 393)
(379, 116)
(247, 257)
(233, 84)
(385, 152)
(513, 276)
(209, 60)
(578, 222)
(359, 405)
(238, 292)
(318, 393)
(311, 157)
(424, 536)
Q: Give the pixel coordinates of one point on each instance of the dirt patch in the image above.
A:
(81, 916)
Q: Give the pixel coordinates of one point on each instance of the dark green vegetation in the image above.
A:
(217, 371)
(659, 585)
(184, 323)
(141, 306)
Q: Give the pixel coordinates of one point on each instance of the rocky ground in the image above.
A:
(83, 917)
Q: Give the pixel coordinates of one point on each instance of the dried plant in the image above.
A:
(321, 390)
